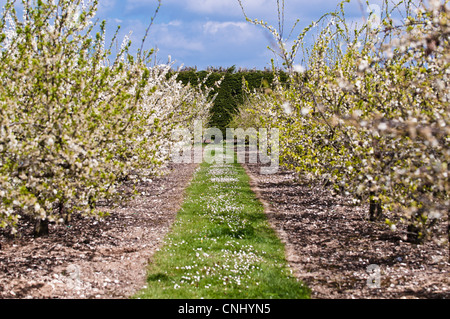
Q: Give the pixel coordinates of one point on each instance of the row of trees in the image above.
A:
(368, 109)
(76, 120)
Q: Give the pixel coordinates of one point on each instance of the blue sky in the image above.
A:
(206, 33)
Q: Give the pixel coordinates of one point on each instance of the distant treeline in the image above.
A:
(230, 94)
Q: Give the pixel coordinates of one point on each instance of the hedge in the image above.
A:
(230, 93)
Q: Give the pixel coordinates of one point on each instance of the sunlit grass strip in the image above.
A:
(221, 245)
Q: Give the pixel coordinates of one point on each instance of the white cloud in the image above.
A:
(105, 6)
(175, 23)
(212, 27)
(178, 42)
(231, 34)
(174, 39)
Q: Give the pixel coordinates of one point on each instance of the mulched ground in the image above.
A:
(330, 243)
(91, 259)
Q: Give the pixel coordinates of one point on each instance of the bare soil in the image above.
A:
(330, 244)
(94, 259)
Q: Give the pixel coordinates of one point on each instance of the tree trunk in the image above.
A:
(375, 210)
(64, 213)
(413, 235)
(448, 231)
(41, 228)
(416, 229)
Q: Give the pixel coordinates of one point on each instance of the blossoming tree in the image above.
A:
(76, 121)
(369, 113)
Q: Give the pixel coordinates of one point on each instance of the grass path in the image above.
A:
(221, 245)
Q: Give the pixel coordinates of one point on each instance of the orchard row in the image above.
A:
(77, 121)
(368, 109)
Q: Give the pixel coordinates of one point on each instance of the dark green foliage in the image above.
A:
(230, 94)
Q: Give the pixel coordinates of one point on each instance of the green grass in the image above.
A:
(221, 245)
